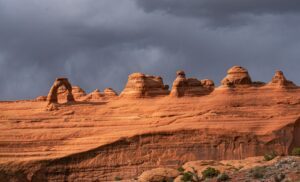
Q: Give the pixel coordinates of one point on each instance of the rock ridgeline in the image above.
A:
(140, 85)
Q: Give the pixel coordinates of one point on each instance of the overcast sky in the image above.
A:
(98, 43)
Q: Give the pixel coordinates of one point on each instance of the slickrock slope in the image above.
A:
(122, 137)
(254, 169)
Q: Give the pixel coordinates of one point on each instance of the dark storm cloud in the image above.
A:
(220, 11)
(97, 43)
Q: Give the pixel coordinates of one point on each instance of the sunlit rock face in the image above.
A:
(95, 95)
(110, 93)
(279, 81)
(183, 86)
(98, 139)
(140, 85)
(237, 76)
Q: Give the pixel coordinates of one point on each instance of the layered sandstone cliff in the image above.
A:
(120, 137)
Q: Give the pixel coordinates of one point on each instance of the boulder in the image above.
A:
(140, 85)
(236, 76)
(158, 175)
(110, 93)
(279, 81)
(183, 86)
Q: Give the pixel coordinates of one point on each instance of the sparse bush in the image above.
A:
(180, 169)
(258, 172)
(270, 156)
(279, 177)
(187, 176)
(223, 177)
(190, 176)
(210, 172)
(296, 151)
(117, 178)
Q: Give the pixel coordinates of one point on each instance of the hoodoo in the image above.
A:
(179, 84)
(141, 85)
(52, 96)
(279, 81)
(183, 86)
(236, 76)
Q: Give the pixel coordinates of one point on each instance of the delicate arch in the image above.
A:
(52, 96)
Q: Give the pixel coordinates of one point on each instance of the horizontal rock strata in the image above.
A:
(141, 85)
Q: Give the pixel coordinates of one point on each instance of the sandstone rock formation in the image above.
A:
(52, 96)
(78, 93)
(279, 169)
(141, 85)
(159, 175)
(123, 138)
(96, 95)
(110, 93)
(237, 76)
(179, 84)
(279, 81)
(183, 86)
(41, 98)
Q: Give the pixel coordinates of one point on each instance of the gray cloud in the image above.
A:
(97, 43)
(221, 12)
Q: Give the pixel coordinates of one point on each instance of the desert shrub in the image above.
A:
(117, 178)
(223, 177)
(210, 172)
(270, 156)
(296, 151)
(258, 172)
(187, 176)
(180, 169)
(279, 178)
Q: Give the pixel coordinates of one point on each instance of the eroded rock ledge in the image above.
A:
(129, 157)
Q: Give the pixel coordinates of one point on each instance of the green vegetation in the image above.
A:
(210, 173)
(258, 172)
(270, 156)
(223, 177)
(180, 169)
(117, 178)
(187, 176)
(190, 176)
(296, 151)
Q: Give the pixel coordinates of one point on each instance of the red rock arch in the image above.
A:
(52, 96)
